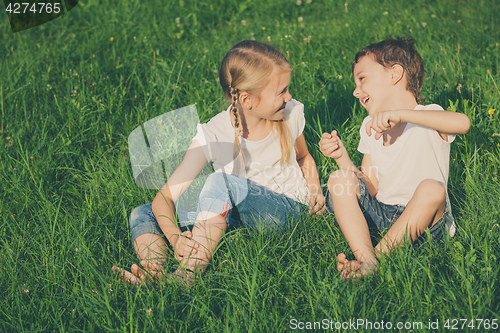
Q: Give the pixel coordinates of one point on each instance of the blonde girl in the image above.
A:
(264, 175)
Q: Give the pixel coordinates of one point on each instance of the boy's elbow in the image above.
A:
(465, 124)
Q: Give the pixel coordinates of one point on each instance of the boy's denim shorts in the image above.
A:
(383, 216)
(240, 201)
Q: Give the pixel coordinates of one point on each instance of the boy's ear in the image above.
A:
(397, 73)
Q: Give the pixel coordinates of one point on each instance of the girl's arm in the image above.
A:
(445, 122)
(308, 167)
(163, 204)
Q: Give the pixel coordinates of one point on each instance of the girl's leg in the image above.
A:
(214, 204)
(207, 232)
(425, 208)
(151, 247)
(257, 207)
(344, 189)
(146, 235)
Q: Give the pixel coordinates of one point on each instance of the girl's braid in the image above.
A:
(237, 127)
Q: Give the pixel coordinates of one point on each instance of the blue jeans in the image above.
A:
(384, 216)
(239, 201)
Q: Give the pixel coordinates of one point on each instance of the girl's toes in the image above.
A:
(126, 276)
(183, 278)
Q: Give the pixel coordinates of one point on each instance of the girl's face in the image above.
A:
(271, 103)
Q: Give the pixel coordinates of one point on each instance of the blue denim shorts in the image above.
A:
(383, 216)
(240, 201)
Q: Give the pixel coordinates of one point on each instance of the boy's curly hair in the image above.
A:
(400, 51)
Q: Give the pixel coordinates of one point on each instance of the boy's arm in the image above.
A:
(331, 146)
(445, 122)
(308, 168)
(369, 174)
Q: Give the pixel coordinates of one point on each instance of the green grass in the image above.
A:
(73, 90)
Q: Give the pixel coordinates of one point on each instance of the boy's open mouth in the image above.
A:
(365, 100)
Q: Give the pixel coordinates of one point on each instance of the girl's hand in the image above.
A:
(330, 145)
(382, 122)
(185, 246)
(316, 204)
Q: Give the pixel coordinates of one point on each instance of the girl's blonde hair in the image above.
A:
(248, 67)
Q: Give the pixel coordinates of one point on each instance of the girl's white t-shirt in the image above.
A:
(418, 154)
(261, 158)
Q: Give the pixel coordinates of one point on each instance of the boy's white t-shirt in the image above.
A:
(418, 154)
(261, 158)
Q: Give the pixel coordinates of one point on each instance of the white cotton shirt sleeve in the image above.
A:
(363, 146)
(436, 107)
(200, 137)
(295, 118)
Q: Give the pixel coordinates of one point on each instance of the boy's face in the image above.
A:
(373, 85)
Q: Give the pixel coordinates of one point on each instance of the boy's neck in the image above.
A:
(401, 101)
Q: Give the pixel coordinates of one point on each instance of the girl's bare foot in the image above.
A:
(353, 268)
(137, 275)
(347, 268)
(183, 277)
(126, 276)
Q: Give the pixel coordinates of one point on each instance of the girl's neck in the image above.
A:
(254, 128)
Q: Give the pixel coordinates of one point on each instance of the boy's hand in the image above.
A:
(330, 145)
(316, 204)
(382, 122)
(185, 245)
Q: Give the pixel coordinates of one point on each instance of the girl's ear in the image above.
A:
(397, 73)
(245, 100)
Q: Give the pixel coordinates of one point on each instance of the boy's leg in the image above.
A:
(425, 208)
(344, 188)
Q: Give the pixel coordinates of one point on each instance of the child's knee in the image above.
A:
(207, 215)
(139, 215)
(431, 191)
(343, 182)
(216, 178)
(210, 222)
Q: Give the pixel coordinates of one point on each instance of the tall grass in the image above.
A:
(72, 90)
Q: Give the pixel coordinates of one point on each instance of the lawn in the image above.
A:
(73, 90)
